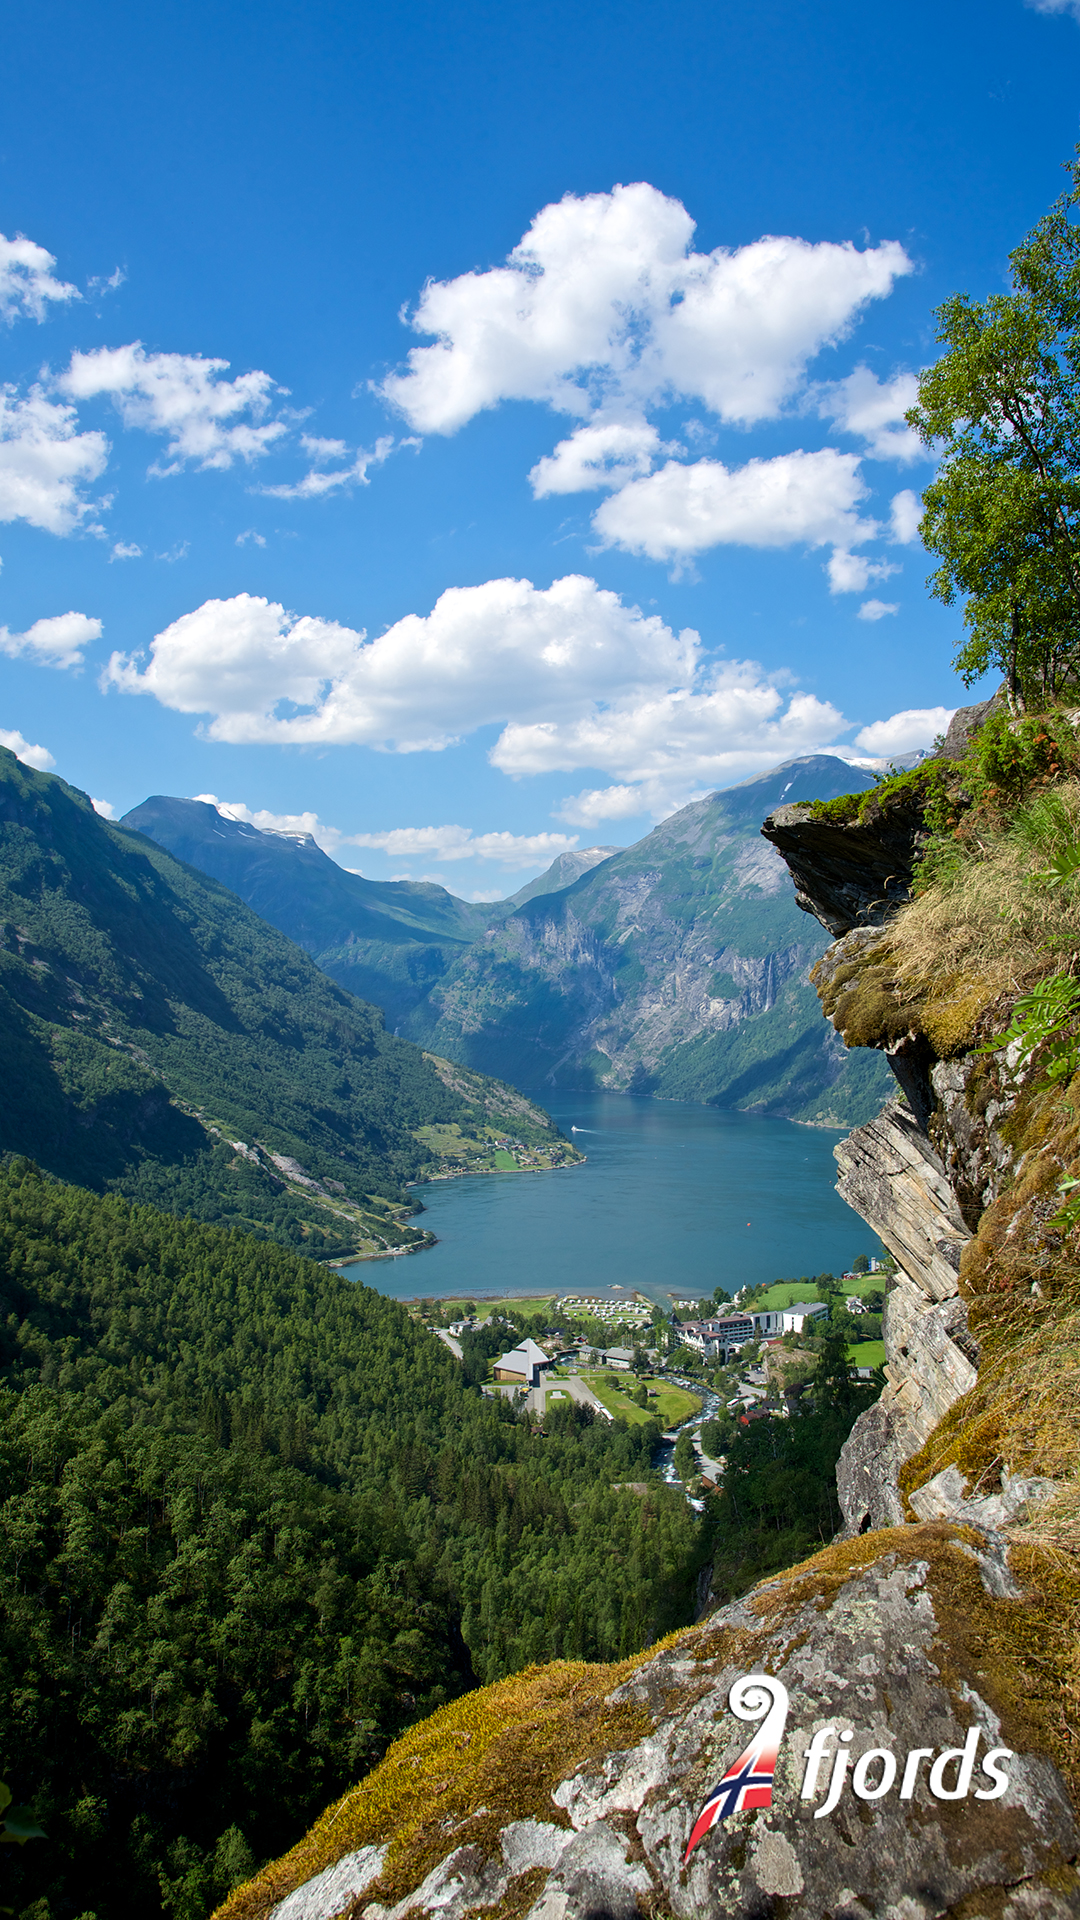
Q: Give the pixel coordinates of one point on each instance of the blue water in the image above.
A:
(673, 1199)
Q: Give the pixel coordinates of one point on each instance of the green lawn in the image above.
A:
(672, 1404)
(868, 1353)
(504, 1161)
(785, 1292)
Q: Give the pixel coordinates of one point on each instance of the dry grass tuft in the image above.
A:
(990, 925)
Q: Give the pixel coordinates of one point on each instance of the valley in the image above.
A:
(675, 968)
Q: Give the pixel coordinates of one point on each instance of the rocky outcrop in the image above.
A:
(892, 1176)
(849, 873)
(890, 1642)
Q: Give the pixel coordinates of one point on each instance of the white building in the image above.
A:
(801, 1313)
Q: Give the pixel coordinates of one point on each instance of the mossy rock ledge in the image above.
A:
(569, 1791)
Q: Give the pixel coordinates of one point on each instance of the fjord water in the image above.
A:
(674, 1199)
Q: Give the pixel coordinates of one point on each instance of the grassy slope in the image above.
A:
(672, 1404)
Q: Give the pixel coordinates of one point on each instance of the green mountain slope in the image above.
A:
(162, 1040)
(675, 967)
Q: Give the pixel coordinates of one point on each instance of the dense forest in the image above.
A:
(254, 1521)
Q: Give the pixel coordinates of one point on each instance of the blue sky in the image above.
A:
(556, 474)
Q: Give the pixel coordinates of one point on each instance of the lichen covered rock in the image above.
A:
(570, 1792)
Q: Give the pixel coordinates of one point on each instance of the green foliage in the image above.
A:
(1003, 511)
(685, 1458)
(1045, 1018)
(19, 1824)
(777, 1502)
(254, 1523)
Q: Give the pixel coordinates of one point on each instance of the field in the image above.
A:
(868, 1353)
(520, 1303)
(785, 1292)
(671, 1406)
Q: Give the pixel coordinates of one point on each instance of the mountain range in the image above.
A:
(676, 967)
(162, 1041)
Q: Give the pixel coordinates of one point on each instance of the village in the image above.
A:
(697, 1374)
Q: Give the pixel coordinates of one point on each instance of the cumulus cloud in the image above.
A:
(328, 838)
(594, 804)
(877, 609)
(574, 677)
(460, 843)
(32, 756)
(182, 396)
(483, 654)
(44, 461)
(128, 552)
(607, 454)
(103, 807)
(320, 480)
(27, 284)
(55, 642)
(874, 410)
(853, 572)
(808, 498)
(906, 732)
(602, 300)
(905, 517)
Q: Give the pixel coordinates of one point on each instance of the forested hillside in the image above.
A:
(676, 967)
(254, 1523)
(162, 1040)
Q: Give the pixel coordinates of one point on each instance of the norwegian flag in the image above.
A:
(748, 1782)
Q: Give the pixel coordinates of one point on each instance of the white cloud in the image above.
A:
(44, 461)
(182, 396)
(906, 514)
(603, 300)
(249, 533)
(904, 732)
(1055, 6)
(877, 609)
(593, 804)
(460, 843)
(122, 552)
(318, 482)
(734, 720)
(853, 572)
(328, 838)
(26, 280)
(574, 677)
(607, 454)
(406, 843)
(55, 642)
(103, 807)
(874, 410)
(796, 497)
(483, 655)
(38, 757)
